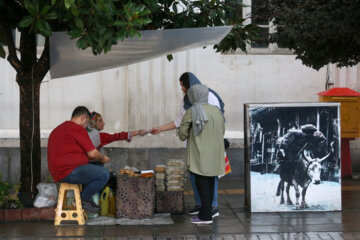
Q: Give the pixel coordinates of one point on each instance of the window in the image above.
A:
(254, 14)
(258, 7)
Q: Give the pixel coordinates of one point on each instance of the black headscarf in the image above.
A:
(189, 79)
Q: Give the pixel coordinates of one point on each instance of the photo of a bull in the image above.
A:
(299, 165)
(293, 160)
(302, 172)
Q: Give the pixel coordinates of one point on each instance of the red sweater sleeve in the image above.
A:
(107, 138)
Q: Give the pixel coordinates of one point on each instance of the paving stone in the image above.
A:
(240, 237)
(234, 222)
(325, 236)
(357, 235)
(347, 236)
(228, 237)
(336, 236)
(264, 237)
(276, 237)
(191, 237)
(313, 236)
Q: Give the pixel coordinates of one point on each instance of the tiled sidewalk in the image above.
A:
(234, 222)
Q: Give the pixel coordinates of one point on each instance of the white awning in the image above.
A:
(67, 60)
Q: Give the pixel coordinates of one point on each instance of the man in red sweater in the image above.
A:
(69, 151)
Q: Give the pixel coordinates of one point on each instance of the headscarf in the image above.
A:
(193, 80)
(198, 96)
(94, 116)
(93, 132)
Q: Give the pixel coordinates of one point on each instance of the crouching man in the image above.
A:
(69, 151)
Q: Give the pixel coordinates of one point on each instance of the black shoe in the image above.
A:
(215, 212)
(194, 211)
(90, 206)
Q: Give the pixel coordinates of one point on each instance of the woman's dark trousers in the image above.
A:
(205, 186)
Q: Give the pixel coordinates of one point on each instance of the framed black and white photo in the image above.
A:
(292, 157)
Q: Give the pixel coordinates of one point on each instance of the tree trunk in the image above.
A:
(30, 149)
(29, 78)
(30, 72)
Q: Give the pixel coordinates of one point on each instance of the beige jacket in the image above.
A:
(205, 153)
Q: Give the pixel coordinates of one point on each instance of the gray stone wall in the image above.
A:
(141, 158)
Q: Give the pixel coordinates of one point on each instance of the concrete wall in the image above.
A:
(148, 94)
(141, 158)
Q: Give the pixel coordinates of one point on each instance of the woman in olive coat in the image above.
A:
(203, 128)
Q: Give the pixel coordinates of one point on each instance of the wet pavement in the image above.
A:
(234, 222)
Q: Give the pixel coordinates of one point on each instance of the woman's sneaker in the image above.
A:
(196, 220)
(215, 212)
(194, 211)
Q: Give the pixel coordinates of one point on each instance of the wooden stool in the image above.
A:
(65, 212)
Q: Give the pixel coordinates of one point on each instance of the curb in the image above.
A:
(27, 214)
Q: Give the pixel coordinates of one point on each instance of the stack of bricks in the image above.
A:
(160, 177)
(172, 200)
(175, 175)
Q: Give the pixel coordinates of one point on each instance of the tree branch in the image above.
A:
(43, 65)
(12, 58)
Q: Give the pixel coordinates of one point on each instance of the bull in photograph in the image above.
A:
(298, 165)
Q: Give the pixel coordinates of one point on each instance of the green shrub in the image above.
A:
(9, 195)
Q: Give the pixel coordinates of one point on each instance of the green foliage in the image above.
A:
(8, 195)
(49, 179)
(203, 13)
(319, 32)
(241, 34)
(39, 15)
(169, 57)
(101, 24)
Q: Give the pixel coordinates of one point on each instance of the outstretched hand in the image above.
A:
(142, 132)
(155, 131)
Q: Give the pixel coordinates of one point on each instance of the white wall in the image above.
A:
(148, 94)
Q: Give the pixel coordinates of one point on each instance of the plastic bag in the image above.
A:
(227, 165)
(47, 195)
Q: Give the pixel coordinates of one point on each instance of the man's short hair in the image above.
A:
(79, 111)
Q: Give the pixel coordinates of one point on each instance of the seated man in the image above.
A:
(69, 151)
